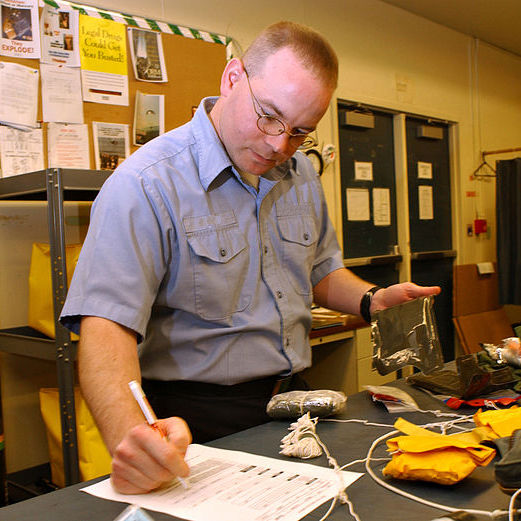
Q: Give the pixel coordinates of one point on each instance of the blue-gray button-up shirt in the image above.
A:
(214, 276)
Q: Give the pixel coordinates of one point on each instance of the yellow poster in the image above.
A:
(103, 45)
(103, 53)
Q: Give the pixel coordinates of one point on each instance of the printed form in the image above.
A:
(229, 485)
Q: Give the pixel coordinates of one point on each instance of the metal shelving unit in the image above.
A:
(55, 186)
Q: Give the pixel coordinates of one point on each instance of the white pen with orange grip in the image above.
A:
(149, 414)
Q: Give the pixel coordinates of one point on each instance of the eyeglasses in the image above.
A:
(273, 126)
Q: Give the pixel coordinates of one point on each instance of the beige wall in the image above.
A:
(388, 58)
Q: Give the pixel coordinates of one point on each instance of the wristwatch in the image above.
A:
(365, 303)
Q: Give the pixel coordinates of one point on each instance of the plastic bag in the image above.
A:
(406, 335)
(294, 404)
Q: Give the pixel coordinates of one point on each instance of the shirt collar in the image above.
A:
(212, 156)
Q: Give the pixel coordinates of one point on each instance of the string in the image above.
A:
(511, 509)
(298, 441)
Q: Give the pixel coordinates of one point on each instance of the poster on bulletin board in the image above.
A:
(103, 55)
(20, 36)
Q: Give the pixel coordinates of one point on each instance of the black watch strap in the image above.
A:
(365, 303)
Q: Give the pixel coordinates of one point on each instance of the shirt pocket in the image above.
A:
(299, 238)
(219, 256)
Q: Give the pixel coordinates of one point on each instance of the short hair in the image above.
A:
(311, 48)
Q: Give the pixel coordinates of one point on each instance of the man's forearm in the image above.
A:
(107, 361)
(341, 290)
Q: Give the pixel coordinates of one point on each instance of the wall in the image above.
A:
(388, 58)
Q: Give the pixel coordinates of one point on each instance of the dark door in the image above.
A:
(430, 218)
(368, 193)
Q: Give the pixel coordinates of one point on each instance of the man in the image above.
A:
(205, 251)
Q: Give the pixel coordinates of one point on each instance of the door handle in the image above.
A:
(379, 260)
(433, 255)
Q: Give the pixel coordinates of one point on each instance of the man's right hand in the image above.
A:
(145, 459)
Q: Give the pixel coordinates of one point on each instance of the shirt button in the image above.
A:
(222, 251)
(265, 249)
(279, 294)
(306, 236)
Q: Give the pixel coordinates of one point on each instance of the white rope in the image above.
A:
(303, 439)
(511, 509)
(355, 420)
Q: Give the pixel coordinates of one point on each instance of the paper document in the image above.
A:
(357, 204)
(19, 95)
(382, 207)
(20, 151)
(68, 146)
(425, 204)
(61, 94)
(234, 486)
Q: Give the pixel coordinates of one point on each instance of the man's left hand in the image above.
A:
(399, 293)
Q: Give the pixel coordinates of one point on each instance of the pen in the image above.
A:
(148, 413)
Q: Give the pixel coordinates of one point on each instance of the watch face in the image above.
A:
(316, 159)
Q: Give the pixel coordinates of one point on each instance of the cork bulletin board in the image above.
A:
(194, 69)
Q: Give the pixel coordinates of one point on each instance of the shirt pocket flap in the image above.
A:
(299, 229)
(218, 245)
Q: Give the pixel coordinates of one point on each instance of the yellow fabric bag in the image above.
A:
(41, 314)
(94, 458)
(428, 456)
(499, 423)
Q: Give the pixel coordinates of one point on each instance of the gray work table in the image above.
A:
(346, 442)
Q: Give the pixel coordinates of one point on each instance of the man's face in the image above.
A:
(284, 89)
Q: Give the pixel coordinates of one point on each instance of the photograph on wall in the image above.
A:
(20, 37)
(103, 56)
(59, 36)
(146, 50)
(111, 144)
(149, 117)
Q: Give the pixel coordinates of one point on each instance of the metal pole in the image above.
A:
(64, 352)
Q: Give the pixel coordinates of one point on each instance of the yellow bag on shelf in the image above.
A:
(94, 458)
(41, 314)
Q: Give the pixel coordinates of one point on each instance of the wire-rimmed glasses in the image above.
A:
(273, 126)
